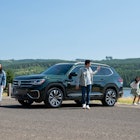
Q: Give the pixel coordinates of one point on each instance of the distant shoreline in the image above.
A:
(126, 88)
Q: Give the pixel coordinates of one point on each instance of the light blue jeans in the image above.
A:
(86, 98)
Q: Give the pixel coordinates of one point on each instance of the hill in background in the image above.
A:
(127, 68)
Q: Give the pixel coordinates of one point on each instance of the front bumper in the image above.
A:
(25, 94)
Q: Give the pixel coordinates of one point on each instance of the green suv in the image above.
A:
(58, 83)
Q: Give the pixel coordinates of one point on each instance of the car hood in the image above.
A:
(38, 76)
(29, 77)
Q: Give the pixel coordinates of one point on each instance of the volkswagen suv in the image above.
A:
(58, 83)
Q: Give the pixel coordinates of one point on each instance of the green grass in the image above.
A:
(5, 94)
(127, 100)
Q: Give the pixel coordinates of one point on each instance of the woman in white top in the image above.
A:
(135, 90)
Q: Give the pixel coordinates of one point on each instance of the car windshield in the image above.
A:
(59, 69)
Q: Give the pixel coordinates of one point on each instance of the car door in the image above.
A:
(71, 85)
(100, 79)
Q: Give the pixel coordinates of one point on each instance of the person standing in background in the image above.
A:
(2, 82)
(135, 90)
(85, 80)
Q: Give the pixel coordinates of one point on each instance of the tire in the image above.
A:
(54, 97)
(110, 97)
(25, 102)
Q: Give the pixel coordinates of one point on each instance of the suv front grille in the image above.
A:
(23, 83)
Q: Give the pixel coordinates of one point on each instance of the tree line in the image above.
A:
(127, 68)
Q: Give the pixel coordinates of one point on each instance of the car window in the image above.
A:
(58, 69)
(93, 68)
(76, 69)
(102, 71)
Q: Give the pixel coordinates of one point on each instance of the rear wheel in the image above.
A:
(54, 97)
(25, 102)
(110, 97)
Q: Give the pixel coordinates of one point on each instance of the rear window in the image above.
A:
(102, 71)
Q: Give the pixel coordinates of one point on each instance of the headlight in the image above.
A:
(38, 81)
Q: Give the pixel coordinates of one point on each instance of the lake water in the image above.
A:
(127, 92)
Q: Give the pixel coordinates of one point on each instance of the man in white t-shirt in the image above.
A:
(85, 80)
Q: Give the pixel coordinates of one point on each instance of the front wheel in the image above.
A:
(25, 102)
(110, 97)
(54, 97)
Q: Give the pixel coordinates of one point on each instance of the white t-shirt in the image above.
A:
(135, 85)
(88, 77)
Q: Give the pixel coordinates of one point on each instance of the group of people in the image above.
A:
(84, 80)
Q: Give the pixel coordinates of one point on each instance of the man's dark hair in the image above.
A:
(87, 62)
(136, 79)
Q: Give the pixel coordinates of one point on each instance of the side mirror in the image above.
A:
(72, 74)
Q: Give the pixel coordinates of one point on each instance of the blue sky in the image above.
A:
(69, 29)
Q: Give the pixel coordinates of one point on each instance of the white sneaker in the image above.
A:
(138, 102)
(135, 104)
(84, 106)
(88, 107)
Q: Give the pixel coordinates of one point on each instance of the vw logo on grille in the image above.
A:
(19, 83)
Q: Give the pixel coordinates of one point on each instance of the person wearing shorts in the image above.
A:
(135, 90)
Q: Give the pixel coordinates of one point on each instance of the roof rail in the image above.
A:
(100, 64)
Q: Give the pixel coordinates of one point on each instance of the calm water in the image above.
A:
(127, 92)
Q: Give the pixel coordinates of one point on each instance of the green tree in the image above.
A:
(9, 76)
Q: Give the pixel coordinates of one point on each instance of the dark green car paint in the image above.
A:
(58, 83)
